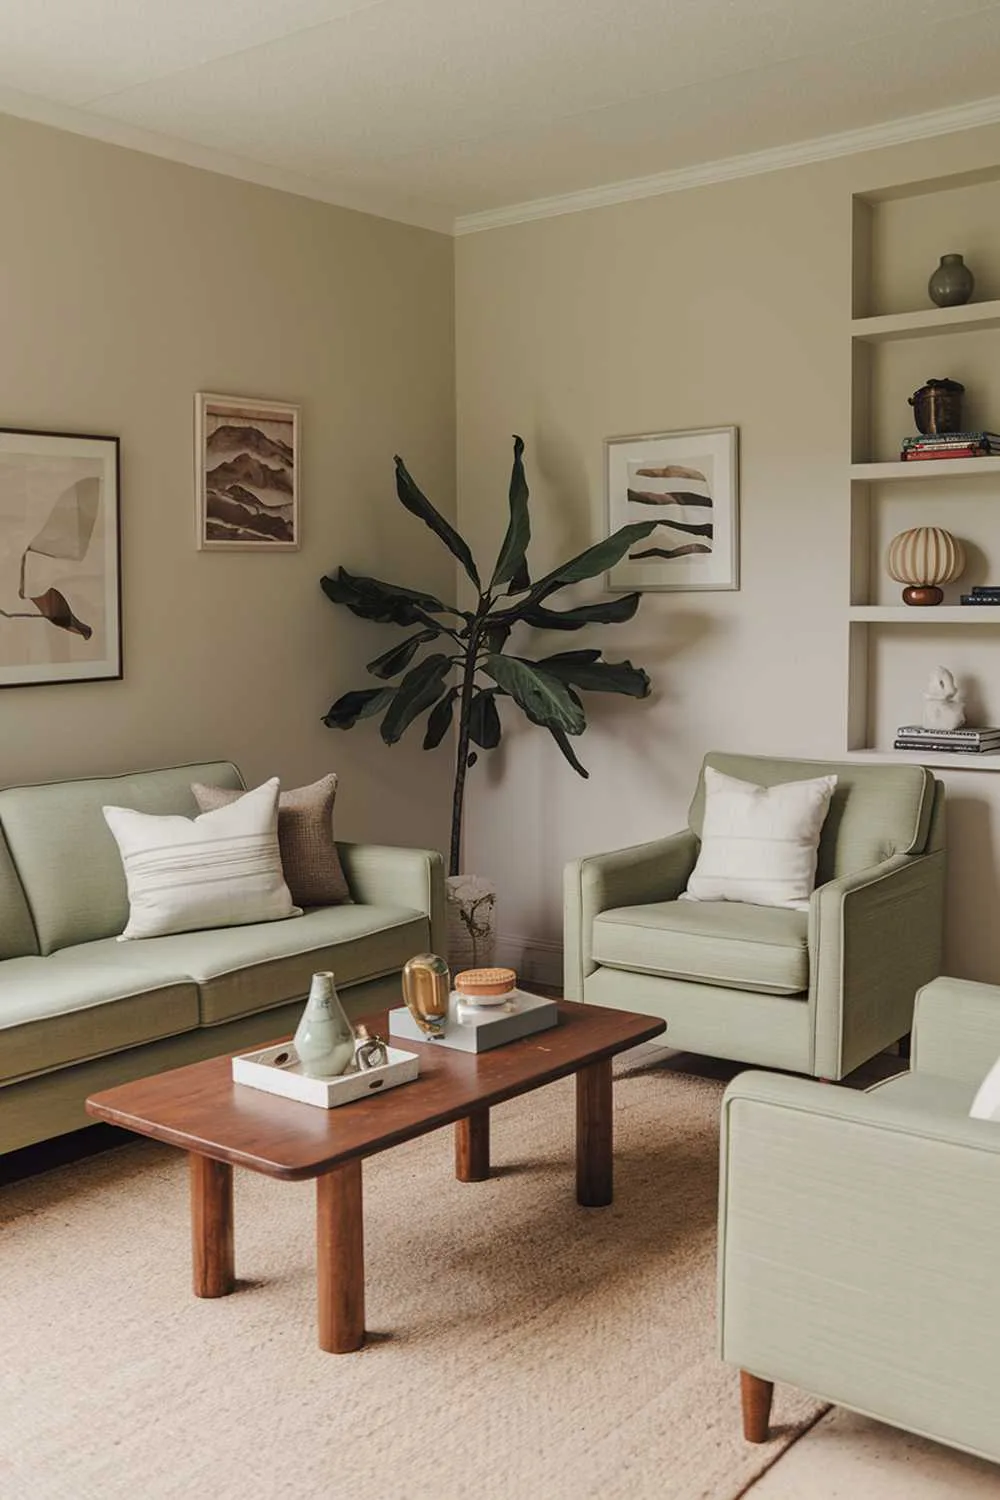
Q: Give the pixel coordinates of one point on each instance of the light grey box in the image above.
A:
(483, 1027)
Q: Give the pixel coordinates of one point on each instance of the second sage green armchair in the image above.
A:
(815, 992)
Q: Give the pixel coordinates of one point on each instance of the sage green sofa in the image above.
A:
(859, 1232)
(80, 1011)
(814, 992)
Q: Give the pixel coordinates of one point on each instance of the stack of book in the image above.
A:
(951, 445)
(982, 593)
(965, 741)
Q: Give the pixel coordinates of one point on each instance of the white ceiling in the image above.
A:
(428, 110)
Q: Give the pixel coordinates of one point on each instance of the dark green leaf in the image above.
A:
(347, 710)
(567, 750)
(608, 612)
(471, 759)
(571, 658)
(594, 560)
(595, 676)
(387, 603)
(439, 720)
(544, 699)
(419, 505)
(398, 657)
(511, 567)
(421, 687)
(495, 637)
(484, 721)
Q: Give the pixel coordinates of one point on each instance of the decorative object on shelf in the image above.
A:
(923, 558)
(426, 985)
(324, 1037)
(687, 482)
(370, 1051)
(471, 913)
(60, 559)
(474, 641)
(952, 283)
(246, 474)
(950, 445)
(944, 706)
(937, 406)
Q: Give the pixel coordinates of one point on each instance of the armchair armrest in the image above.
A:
(875, 937)
(657, 871)
(956, 1031)
(857, 1243)
(379, 875)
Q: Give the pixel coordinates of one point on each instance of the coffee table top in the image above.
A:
(200, 1108)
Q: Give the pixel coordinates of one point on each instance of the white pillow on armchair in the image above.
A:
(759, 843)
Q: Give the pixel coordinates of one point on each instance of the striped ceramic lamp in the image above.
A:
(923, 558)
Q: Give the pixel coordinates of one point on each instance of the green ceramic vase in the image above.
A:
(324, 1037)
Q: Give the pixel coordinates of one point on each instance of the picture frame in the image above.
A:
(246, 474)
(689, 481)
(60, 558)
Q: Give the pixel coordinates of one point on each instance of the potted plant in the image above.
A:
(471, 645)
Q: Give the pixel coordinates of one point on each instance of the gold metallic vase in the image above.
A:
(426, 983)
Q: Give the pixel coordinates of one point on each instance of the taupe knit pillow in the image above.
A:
(309, 855)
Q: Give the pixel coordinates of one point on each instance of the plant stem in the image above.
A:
(461, 759)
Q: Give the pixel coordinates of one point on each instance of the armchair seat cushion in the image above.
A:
(760, 948)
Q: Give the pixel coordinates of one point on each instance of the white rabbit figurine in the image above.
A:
(944, 706)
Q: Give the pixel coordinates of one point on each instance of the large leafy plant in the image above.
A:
(472, 643)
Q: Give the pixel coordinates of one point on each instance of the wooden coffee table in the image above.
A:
(222, 1124)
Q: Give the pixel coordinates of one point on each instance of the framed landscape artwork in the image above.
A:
(60, 559)
(247, 474)
(688, 483)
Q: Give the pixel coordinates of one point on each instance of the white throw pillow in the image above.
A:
(759, 843)
(221, 869)
(986, 1104)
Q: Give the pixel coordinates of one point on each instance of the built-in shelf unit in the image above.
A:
(899, 340)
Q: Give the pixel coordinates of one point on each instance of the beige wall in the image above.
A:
(724, 304)
(127, 283)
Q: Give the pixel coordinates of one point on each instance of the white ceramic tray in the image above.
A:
(277, 1070)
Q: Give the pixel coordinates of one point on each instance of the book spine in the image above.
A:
(915, 455)
(955, 736)
(988, 590)
(940, 747)
(982, 599)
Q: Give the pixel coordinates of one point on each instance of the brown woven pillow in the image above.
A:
(309, 855)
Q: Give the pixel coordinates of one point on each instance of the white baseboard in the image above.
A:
(534, 959)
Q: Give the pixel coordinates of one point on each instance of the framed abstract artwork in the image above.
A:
(60, 559)
(688, 483)
(246, 474)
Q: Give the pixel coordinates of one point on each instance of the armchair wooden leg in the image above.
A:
(755, 1397)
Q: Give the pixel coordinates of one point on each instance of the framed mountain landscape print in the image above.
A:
(688, 483)
(247, 474)
(60, 569)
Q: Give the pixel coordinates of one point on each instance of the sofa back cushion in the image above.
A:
(876, 810)
(64, 853)
(17, 932)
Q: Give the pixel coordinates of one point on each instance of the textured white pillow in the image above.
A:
(221, 869)
(759, 843)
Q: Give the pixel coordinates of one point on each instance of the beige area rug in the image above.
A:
(522, 1348)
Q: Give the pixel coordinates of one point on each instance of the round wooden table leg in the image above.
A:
(472, 1147)
(756, 1396)
(212, 1240)
(594, 1135)
(340, 1259)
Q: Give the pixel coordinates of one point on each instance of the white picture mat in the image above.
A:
(712, 451)
(35, 469)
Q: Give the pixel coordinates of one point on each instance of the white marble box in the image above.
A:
(478, 1028)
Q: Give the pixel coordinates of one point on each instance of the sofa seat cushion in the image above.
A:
(240, 970)
(744, 947)
(85, 1002)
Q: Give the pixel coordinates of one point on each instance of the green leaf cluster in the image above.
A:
(470, 667)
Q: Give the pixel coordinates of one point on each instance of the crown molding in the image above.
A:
(208, 159)
(752, 164)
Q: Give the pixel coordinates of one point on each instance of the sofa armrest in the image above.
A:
(658, 871)
(875, 937)
(857, 1239)
(380, 875)
(956, 1031)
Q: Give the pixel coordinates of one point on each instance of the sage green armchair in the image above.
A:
(858, 1234)
(815, 992)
